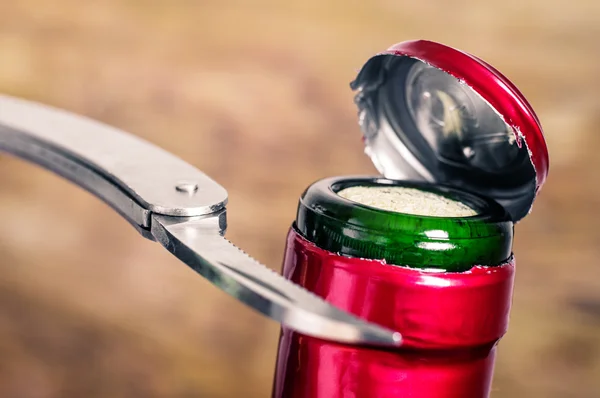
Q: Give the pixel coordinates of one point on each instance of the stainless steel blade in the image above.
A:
(197, 242)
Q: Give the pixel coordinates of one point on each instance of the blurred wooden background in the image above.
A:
(256, 94)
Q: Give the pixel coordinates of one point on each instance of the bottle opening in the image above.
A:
(406, 223)
(407, 201)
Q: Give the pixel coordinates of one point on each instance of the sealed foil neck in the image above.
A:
(423, 123)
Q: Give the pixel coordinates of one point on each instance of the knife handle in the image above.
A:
(135, 177)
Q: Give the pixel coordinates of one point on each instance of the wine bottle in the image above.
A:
(425, 248)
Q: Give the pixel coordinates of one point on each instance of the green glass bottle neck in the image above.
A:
(453, 244)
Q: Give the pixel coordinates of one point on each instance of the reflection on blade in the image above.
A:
(197, 242)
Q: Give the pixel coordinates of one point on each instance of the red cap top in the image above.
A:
(431, 112)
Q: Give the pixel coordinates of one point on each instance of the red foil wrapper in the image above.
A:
(491, 85)
(450, 322)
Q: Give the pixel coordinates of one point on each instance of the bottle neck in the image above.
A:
(311, 368)
(343, 226)
(450, 324)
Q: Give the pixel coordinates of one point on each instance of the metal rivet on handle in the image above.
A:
(188, 187)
